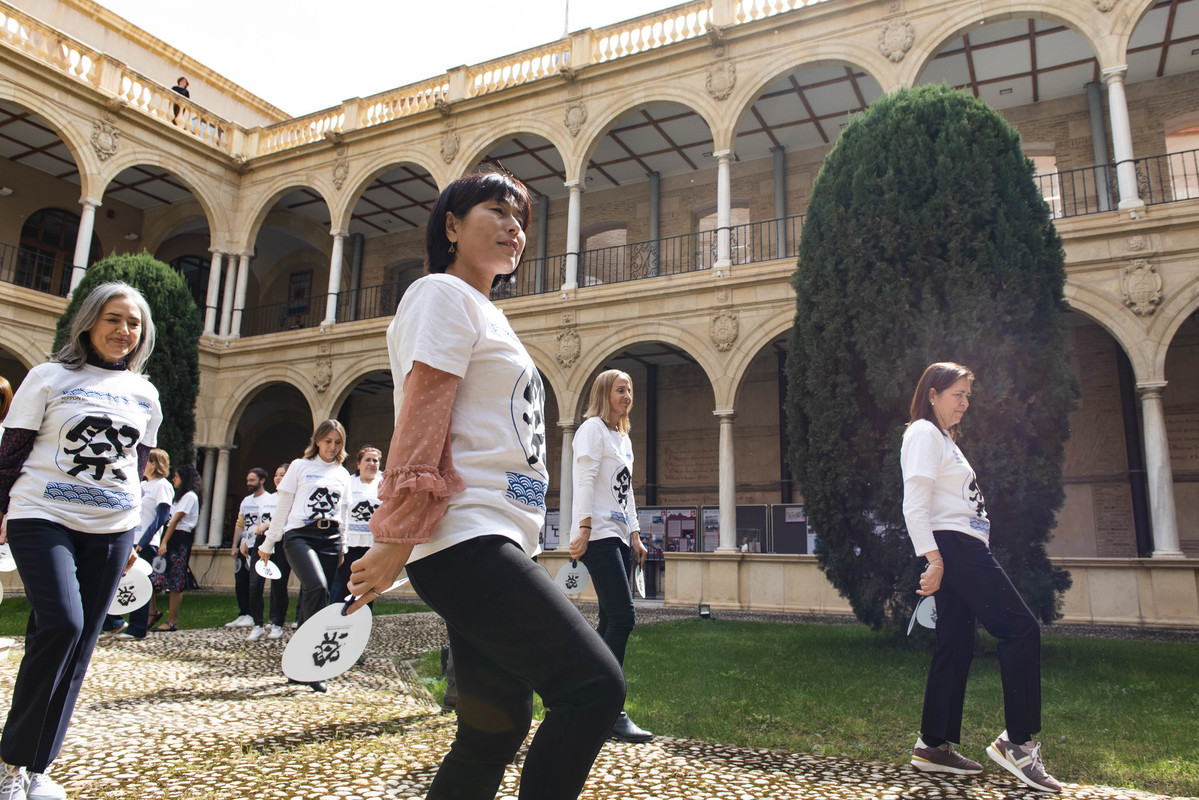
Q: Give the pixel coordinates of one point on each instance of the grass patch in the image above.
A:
(199, 610)
(1119, 713)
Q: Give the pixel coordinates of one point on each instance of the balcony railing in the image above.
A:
(1093, 190)
(33, 270)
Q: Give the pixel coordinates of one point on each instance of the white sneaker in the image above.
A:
(12, 783)
(256, 633)
(42, 787)
(276, 632)
(244, 621)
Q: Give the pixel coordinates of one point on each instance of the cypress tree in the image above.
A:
(926, 240)
(174, 366)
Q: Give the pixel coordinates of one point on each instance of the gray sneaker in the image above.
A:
(12, 782)
(1023, 761)
(40, 786)
(943, 759)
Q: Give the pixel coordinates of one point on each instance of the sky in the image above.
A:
(307, 55)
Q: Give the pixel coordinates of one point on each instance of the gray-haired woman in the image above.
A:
(78, 435)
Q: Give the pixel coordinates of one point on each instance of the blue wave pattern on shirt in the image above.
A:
(526, 490)
(112, 398)
(88, 496)
(617, 516)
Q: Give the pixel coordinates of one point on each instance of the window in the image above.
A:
(1183, 150)
(48, 250)
(1048, 180)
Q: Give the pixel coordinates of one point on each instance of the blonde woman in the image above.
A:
(605, 532)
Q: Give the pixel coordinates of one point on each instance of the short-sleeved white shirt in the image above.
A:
(266, 509)
(955, 503)
(154, 494)
(603, 482)
(82, 472)
(497, 429)
(364, 501)
(189, 504)
(320, 491)
(250, 512)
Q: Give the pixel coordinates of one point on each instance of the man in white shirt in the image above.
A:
(247, 520)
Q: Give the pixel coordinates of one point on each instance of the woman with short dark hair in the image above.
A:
(177, 540)
(79, 432)
(463, 502)
(947, 521)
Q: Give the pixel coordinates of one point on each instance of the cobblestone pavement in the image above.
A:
(204, 714)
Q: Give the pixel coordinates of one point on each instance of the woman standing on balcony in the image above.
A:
(947, 520)
(79, 432)
(312, 514)
(606, 534)
(463, 501)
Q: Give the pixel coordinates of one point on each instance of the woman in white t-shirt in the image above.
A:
(78, 434)
(946, 518)
(157, 496)
(176, 544)
(605, 532)
(312, 513)
(463, 502)
(364, 500)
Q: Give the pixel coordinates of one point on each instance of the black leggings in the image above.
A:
(512, 632)
(608, 561)
(976, 587)
(313, 555)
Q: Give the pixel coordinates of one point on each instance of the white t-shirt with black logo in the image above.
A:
(364, 501)
(250, 512)
(497, 429)
(189, 506)
(603, 482)
(320, 490)
(82, 472)
(952, 502)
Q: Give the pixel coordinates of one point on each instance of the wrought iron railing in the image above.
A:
(26, 267)
(1092, 190)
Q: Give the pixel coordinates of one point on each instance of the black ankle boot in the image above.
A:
(625, 730)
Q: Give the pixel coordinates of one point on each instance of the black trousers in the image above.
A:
(512, 632)
(70, 579)
(608, 560)
(313, 554)
(241, 582)
(279, 596)
(975, 587)
(341, 582)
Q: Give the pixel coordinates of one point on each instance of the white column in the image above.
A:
(239, 295)
(724, 209)
(339, 239)
(728, 483)
(1163, 515)
(83, 240)
(227, 300)
(206, 500)
(220, 487)
(214, 291)
(566, 484)
(574, 215)
(1126, 169)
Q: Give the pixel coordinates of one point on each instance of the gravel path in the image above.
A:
(204, 714)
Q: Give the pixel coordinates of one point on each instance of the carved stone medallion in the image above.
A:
(449, 146)
(569, 346)
(1105, 5)
(574, 116)
(323, 375)
(1137, 244)
(724, 330)
(1142, 287)
(722, 77)
(896, 38)
(105, 138)
(341, 168)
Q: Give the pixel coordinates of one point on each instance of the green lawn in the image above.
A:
(1119, 713)
(199, 610)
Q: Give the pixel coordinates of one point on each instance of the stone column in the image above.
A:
(227, 300)
(780, 200)
(220, 487)
(543, 237)
(83, 240)
(655, 223)
(214, 291)
(574, 215)
(1162, 512)
(728, 483)
(339, 239)
(206, 500)
(566, 483)
(239, 296)
(1099, 145)
(1126, 169)
(724, 203)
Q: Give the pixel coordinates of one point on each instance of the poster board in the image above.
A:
(753, 531)
(669, 529)
(789, 524)
(549, 531)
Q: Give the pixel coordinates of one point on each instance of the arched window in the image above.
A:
(604, 253)
(48, 249)
(194, 270)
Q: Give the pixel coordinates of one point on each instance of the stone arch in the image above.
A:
(760, 335)
(1111, 315)
(1169, 318)
(263, 198)
(361, 366)
(1125, 17)
(483, 141)
(960, 20)
(341, 214)
(226, 415)
(199, 185)
(70, 128)
(614, 107)
(29, 350)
